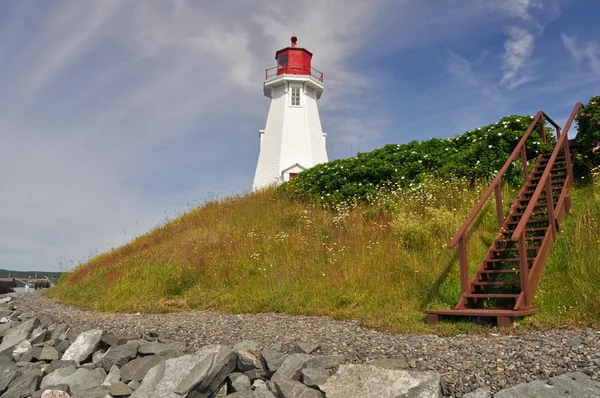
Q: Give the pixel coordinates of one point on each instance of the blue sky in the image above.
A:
(115, 115)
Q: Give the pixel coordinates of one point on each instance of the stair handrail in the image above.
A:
(563, 141)
(460, 237)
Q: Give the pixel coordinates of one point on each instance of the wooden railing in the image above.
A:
(520, 150)
(530, 277)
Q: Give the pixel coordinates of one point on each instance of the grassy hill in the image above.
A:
(382, 259)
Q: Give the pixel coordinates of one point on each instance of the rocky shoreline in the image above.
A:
(462, 366)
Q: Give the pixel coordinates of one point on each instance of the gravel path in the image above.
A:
(465, 362)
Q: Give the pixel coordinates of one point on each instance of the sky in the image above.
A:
(116, 116)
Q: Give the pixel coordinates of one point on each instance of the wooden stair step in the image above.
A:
(507, 260)
(498, 271)
(528, 221)
(511, 249)
(491, 295)
(496, 283)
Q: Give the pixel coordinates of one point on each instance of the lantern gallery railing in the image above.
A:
(294, 70)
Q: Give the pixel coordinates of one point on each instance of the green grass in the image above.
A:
(382, 262)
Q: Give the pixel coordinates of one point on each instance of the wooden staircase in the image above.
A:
(505, 282)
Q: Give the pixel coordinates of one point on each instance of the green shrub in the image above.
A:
(588, 137)
(477, 154)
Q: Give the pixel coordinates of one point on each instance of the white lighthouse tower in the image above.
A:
(292, 140)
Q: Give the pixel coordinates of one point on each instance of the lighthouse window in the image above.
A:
(283, 59)
(296, 96)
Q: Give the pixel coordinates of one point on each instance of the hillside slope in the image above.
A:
(382, 259)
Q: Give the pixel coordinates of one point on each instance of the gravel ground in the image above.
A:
(466, 362)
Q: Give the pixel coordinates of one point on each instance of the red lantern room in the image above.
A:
(294, 60)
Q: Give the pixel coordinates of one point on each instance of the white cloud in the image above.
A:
(514, 8)
(518, 49)
(589, 53)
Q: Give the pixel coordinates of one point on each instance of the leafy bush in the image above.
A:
(588, 137)
(475, 155)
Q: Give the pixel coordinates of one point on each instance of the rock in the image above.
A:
(202, 372)
(6, 299)
(111, 339)
(22, 352)
(242, 394)
(134, 384)
(273, 359)
(27, 383)
(573, 384)
(306, 347)
(294, 389)
(162, 349)
(45, 353)
(278, 346)
(367, 381)
(248, 360)
(55, 394)
(327, 361)
(238, 382)
(63, 345)
(256, 374)
(291, 368)
(97, 357)
(57, 364)
(94, 392)
(393, 364)
(118, 389)
(84, 346)
(313, 377)
(17, 334)
(137, 368)
(119, 355)
(38, 335)
(79, 380)
(246, 345)
(6, 377)
(113, 376)
(483, 392)
(57, 331)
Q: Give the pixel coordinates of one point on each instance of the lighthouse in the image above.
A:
(292, 140)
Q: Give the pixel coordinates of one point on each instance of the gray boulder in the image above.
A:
(112, 339)
(83, 346)
(313, 377)
(200, 374)
(57, 364)
(248, 360)
(79, 380)
(22, 352)
(6, 377)
(17, 334)
(25, 384)
(306, 347)
(291, 368)
(113, 376)
(118, 389)
(137, 368)
(367, 381)
(56, 332)
(45, 353)
(162, 349)
(294, 389)
(327, 361)
(246, 345)
(573, 384)
(238, 382)
(273, 359)
(386, 363)
(119, 355)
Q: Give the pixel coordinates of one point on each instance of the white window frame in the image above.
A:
(295, 94)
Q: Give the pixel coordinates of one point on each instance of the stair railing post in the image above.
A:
(464, 265)
(543, 130)
(524, 162)
(524, 268)
(568, 160)
(499, 210)
(550, 203)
